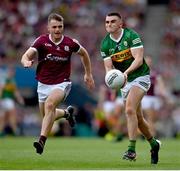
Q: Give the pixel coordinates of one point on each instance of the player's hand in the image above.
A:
(126, 77)
(28, 64)
(88, 79)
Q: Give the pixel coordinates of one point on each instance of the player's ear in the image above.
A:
(121, 24)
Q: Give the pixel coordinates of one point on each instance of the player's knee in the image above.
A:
(49, 106)
(130, 111)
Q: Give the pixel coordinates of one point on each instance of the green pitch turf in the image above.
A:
(84, 154)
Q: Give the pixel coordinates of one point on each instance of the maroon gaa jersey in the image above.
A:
(153, 76)
(54, 64)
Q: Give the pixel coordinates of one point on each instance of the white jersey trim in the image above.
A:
(141, 46)
(117, 40)
(107, 58)
(50, 38)
(33, 48)
(79, 48)
(76, 41)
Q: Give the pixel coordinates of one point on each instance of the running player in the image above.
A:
(122, 49)
(54, 52)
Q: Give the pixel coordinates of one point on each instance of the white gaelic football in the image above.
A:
(114, 79)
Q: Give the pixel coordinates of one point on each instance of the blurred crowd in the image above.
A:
(169, 58)
(23, 21)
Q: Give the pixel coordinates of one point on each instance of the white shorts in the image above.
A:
(119, 101)
(108, 106)
(151, 102)
(142, 82)
(7, 104)
(44, 90)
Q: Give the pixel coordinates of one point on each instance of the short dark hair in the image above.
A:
(114, 14)
(55, 16)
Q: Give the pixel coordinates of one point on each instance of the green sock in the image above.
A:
(152, 142)
(132, 145)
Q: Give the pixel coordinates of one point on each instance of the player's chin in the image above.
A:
(110, 30)
(57, 36)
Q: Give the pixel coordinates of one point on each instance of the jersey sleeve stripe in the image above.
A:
(33, 48)
(141, 46)
(107, 58)
(79, 48)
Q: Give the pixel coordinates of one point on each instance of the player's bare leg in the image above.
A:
(49, 113)
(151, 118)
(144, 128)
(50, 106)
(133, 100)
(143, 124)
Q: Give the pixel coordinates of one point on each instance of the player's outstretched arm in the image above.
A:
(27, 58)
(88, 78)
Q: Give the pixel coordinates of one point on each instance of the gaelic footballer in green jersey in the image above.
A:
(122, 49)
(120, 52)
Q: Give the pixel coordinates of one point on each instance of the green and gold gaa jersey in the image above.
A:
(9, 89)
(120, 53)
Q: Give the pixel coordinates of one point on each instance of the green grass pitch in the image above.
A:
(84, 154)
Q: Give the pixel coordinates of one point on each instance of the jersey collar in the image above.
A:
(117, 40)
(56, 43)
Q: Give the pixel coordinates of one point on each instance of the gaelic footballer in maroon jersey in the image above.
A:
(54, 59)
(54, 52)
(153, 76)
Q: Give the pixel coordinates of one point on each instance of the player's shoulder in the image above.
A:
(68, 38)
(71, 41)
(42, 38)
(129, 31)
